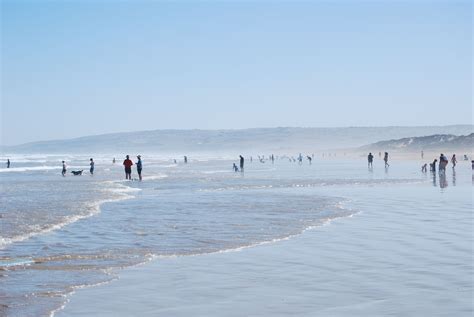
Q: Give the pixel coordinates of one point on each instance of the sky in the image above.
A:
(76, 68)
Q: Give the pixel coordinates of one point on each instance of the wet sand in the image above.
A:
(408, 252)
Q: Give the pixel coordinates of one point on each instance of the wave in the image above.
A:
(123, 192)
(31, 168)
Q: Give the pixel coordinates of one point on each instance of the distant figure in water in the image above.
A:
(174, 161)
(272, 158)
(8, 163)
(454, 160)
(424, 168)
(370, 159)
(433, 166)
(185, 160)
(472, 164)
(241, 163)
(380, 154)
(251, 159)
(92, 166)
(236, 169)
(113, 161)
(300, 159)
(64, 169)
(139, 167)
(309, 159)
(422, 154)
(385, 158)
(128, 167)
(443, 161)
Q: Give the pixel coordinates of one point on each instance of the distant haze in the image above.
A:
(276, 140)
(75, 68)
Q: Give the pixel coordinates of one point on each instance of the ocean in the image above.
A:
(60, 234)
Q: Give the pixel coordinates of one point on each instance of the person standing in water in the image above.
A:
(454, 160)
(385, 158)
(185, 160)
(8, 163)
(236, 169)
(64, 169)
(113, 161)
(241, 163)
(128, 167)
(370, 159)
(139, 167)
(92, 166)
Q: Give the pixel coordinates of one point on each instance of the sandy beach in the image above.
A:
(406, 252)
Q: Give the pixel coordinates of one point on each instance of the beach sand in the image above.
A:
(408, 252)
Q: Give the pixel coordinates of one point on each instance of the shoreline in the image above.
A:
(304, 275)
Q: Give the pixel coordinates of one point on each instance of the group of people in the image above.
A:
(242, 161)
(91, 169)
(370, 159)
(443, 162)
(127, 163)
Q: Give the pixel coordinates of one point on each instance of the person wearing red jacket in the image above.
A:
(128, 167)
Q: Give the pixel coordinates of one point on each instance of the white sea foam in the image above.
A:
(27, 169)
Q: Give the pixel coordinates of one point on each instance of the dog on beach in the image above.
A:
(77, 172)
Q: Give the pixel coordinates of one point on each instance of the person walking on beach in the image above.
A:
(8, 163)
(64, 169)
(454, 160)
(139, 167)
(241, 163)
(128, 167)
(185, 160)
(92, 166)
(370, 159)
(385, 158)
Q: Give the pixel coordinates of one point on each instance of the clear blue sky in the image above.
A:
(75, 68)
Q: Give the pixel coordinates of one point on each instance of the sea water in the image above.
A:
(62, 233)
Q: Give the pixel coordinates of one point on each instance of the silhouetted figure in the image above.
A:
(241, 163)
(174, 161)
(91, 170)
(139, 167)
(272, 158)
(236, 169)
(64, 169)
(385, 158)
(454, 160)
(433, 166)
(127, 163)
(370, 159)
(424, 168)
(185, 160)
(113, 161)
(443, 161)
(8, 163)
(309, 159)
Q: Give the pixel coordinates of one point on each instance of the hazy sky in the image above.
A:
(74, 68)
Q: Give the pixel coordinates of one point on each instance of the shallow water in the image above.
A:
(62, 233)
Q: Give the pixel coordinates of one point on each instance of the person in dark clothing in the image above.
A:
(8, 163)
(236, 169)
(370, 159)
(128, 167)
(433, 166)
(139, 167)
(92, 164)
(185, 160)
(385, 158)
(241, 163)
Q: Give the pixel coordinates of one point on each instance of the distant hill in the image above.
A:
(276, 140)
(431, 142)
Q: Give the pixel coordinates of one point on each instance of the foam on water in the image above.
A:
(63, 233)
